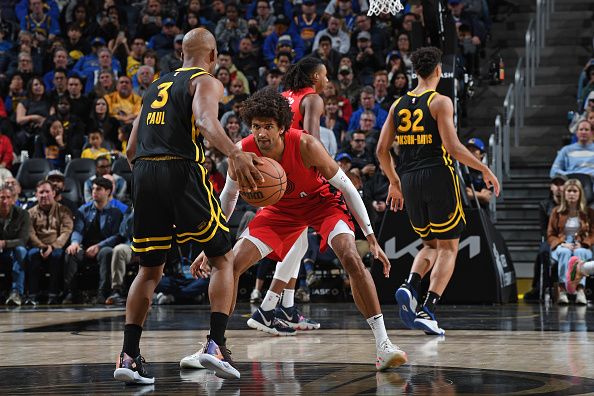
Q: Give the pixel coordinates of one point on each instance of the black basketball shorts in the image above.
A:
(173, 198)
(433, 202)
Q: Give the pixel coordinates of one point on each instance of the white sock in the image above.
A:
(379, 329)
(588, 268)
(270, 301)
(288, 298)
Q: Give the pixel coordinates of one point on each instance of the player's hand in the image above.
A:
(244, 165)
(491, 180)
(395, 199)
(197, 269)
(379, 254)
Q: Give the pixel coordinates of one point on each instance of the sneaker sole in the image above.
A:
(302, 326)
(254, 324)
(212, 363)
(131, 377)
(429, 330)
(193, 363)
(396, 361)
(406, 311)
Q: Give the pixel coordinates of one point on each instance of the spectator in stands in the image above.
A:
(59, 84)
(230, 29)
(75, 45)
(123, 137)
(586, 91)
(121, 257)
(222, 74)
(474, 179)
(6, 153)
(333, 120)
(169, 62)
(281, 28)
(51, 226)
(398, 85)
(24, 67)
(39, 22)
(233, 128)
(134, 59)
(394, 65)
(16, 93)
(74, 127)
(114, 202)
(404, 49)
(102, 121)
(103, 167)
(543, 259)
(345, 108)
(380, 86)
(328, 55)
(348, 85)
(193, 20)
(461, 16)
(105, 62)
(150, 19)
(52, 144)
(144, 78)
(328, 140)
(118, 47)
(31, 114)
(264, 18)
(367, 126)
(80, 105)
(344, 161)
(60, 62)
(124, 105)
(571, 233)
(363, 162)
(367, 101)
(283, 59)
(577, 157)
(274, 78)
(104, 86)
(162, 43)
(340, 39)
(308, 23)
(95, 148)
(82, 17)
(248, 62)
(13, 237)
(96, 233)
(57, 179)
(379, 39)
(224, 60)
(216, 178)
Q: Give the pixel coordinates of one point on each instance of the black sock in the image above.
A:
(431, 300)
(132, 333)
(414, 279)
(218, 325)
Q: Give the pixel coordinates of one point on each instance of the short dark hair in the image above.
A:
(42, 182)
(267, 103)
(325, 38)
(102, 158)
(425, 60)
(61, 70)
(103, 182)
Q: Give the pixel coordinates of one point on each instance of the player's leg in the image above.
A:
(342, 241)
(577, 270)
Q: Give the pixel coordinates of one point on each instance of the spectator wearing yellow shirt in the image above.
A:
(134, 60)
(124, 105)
(95, 140)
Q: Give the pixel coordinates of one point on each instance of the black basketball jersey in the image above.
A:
(166, 125)
(420, 145)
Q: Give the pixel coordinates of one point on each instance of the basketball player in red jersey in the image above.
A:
(309, 203)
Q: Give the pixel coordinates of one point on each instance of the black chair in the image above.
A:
(121, 168)
(30, 172)
(80, 169)
(586, 181)
(72, 191)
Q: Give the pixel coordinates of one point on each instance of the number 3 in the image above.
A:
(163, 95)
(405, 123)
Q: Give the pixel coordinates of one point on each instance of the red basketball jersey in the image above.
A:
(295, 98)
(305, 186)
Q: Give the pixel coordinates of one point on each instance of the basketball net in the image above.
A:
(377, 7)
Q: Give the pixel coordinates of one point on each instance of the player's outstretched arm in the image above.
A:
(395, 199)
(443, 111)
(131, 147)
(315, 155)
(205, 107)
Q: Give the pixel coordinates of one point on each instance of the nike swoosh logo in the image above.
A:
(266, 322)
(286, 316)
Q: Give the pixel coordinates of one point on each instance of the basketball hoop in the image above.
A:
(377, 7)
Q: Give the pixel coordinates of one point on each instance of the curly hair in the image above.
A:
(267, 103)
(300, 74)
(425, 60)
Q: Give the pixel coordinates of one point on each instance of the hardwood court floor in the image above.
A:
(497, 350)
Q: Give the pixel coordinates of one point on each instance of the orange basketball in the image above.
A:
(272, 189)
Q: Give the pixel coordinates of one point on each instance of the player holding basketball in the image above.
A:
(276, 228)
(171, 187)
(421, 123)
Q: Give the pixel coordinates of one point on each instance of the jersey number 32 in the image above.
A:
(410, 121)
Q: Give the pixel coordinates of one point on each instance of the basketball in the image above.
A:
(272, 189)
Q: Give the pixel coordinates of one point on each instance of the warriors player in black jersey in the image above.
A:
(173, 197)
(421, 124)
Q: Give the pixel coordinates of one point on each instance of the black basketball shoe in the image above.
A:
(132, 371)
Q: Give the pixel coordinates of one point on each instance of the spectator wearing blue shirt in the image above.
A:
(282, 28)
(367, 100)
(39, 21)
(96, 233)
(162, 42)
(90, 65)
(577, 157)
(60, 60)
(308, 23)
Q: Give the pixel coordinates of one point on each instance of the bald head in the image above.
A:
(199, 48)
